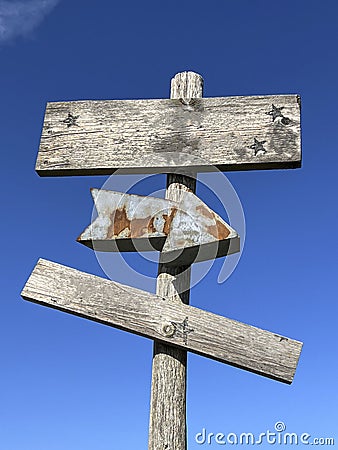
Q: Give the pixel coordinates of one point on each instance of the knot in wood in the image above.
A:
(168, 329)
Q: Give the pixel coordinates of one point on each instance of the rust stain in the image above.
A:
(168, 220)
(118, 222)
(140, 227)
(222, 230)
(204, 211)
(219, 230)
(151, 226)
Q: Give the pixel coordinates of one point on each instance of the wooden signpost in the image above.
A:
(145, 136)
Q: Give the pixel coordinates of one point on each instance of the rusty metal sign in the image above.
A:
(184, 232)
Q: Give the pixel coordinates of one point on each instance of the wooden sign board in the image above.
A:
(160, 136)
(175, 323)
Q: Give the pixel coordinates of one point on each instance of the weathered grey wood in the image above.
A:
(167, 425)
(146, 314)
(154, 136)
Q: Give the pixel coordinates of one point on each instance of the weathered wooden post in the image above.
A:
(137, 136)
(167, 428)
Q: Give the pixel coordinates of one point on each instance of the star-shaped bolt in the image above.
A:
(183, 329)
(257, 146)
(277, 112)
(71, 120)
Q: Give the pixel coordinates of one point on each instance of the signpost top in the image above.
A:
(145, 136)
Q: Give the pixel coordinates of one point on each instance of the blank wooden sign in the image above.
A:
(159, 136)
(175, 323)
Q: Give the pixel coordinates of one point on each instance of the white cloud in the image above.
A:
(20, 17)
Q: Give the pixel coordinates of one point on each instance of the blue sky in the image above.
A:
(67, 383)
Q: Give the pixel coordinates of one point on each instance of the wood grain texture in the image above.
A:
(154, 136)
(167, 424)
(149, 315)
